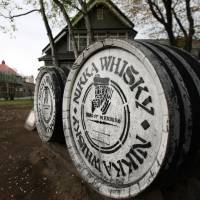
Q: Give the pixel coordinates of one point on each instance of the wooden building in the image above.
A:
(13, 85)
(9, 81)
(107, 21)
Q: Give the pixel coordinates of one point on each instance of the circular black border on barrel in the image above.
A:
(172, 117)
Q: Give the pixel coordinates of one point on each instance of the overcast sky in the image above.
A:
(25, 47)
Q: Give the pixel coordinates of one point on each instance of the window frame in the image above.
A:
(77, 38)
(100, 14)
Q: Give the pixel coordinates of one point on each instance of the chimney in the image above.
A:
(3, 62)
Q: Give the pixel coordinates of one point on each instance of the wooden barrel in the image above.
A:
(128, 114)
(184, 101)
(48, 103)
(189, 68)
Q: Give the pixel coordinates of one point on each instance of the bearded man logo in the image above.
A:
(103, 94)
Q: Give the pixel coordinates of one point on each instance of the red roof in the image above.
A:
(6, 69)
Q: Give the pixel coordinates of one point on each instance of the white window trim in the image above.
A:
(118, 35)
(77, 36)
(81, 36)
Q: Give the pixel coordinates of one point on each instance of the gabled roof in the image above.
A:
(124, 19)
(79, 16)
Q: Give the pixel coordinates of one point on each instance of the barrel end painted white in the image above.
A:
(48, 103)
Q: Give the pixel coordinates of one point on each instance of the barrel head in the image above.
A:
(48, 104)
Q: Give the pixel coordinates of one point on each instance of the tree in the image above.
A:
(80, 6)
(174, 19)
(166, 20)
(49, 33)
(63, 9)
(87, 20)
(188, 34)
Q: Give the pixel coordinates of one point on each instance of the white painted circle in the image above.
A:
(115, 118)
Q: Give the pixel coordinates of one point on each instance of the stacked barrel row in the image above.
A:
(129, 110)
(184, 73)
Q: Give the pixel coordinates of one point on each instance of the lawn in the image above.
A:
(17, 102)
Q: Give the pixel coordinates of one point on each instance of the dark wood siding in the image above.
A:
(110, 21)
(62, 46)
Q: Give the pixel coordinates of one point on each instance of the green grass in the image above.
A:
(17, 102)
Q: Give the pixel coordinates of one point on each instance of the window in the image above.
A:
(113, 35)
(82, 43)
(100, 36)
(81, 40)
(100, 14)
(122, 36)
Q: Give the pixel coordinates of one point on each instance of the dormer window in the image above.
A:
(100, 14)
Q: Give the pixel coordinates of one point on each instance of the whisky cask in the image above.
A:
(48, 103)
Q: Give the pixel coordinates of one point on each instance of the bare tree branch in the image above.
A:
(166, 21)
(73, 5)
(18, 15)
(175, 4)
(26, 13)
(153, 6)
(179, 23)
